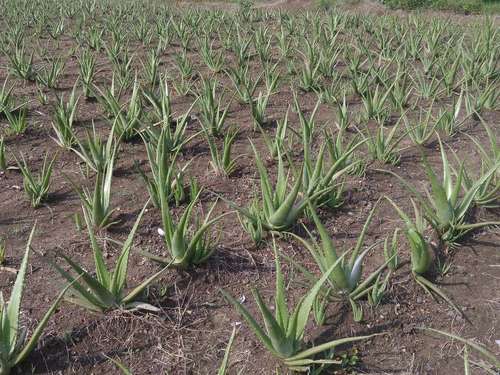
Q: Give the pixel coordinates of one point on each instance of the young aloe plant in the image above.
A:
(21, 64)
(423, 130)
(150, 67)
(374, 104)
(448, 120)
(280, 208)
(63, 121)
(339, 150)
(187, 246)
(391, 251)
(97, 205)
(6, 99)
(487, 195)
(3, 251)
(17, 120)
(94, 152)
(105, 291)
(214, 61)
(383, 145)
(175, 128)
(421, 258)
(212, 116)
(244, 84)
(222, 163)
(443, 208)
(378, 291)
(253, 224)
(126, 121)
(163, 164)
(37, 187)
(258, 108)
(345, 279)
(318, 177)
(49, 76)
(283, 334)
(276, 143)
(15, 347)
(87, 63)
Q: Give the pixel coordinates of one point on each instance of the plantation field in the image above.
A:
(239, 188)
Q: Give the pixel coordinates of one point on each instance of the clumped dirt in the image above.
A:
(190, 333)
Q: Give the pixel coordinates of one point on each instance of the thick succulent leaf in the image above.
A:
(256, 328)
(120, 273)
(280, 301)
(267, 192)
(105, 297)
(280, 218)
(320, 348)
(275, 331)
(305, 306)
(471, 193)
(78, 290)
(329, 252)
(444, 211)
(102, 272)
(14, 304)
(199, 233)
(32, 342)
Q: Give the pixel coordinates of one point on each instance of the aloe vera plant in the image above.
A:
(163, 164)
(87, 63)
(6, 99)
(126, 121)
(15, 346)
(423, 129)
(212, 115)
(258, 108)
(94, 152)
(253, 223)
(222, 163)
(106, 290)
(163, 119)
(382, 144)
(3, 251)
(283, 333)
(487, 194)
(187, 244)
(280, 208)
(321, 179)
(17, 120)
(97, 205)
(420, 251)
(443, 207)
(244, 84)
(346, 278)
(49, 76)
(63, 120)
(37, 186)
(21, 64)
